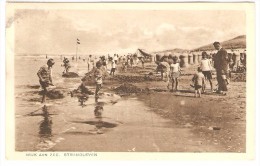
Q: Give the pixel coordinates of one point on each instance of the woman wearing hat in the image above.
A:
(45, 77)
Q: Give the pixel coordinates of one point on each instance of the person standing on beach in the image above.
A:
(221, 62)
(124, 65)
(113, 69)
(206, 68)
(98, 74)
(90, 60)
(174, 74)
(115, 58)
(199, 82)
(103, 61)
(45, 77)
(131, 61)
(66, 64)
(142, 61)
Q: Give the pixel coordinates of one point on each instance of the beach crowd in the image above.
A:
(169, 66)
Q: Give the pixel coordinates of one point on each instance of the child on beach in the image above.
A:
(66, 64)
(206, 68)
(98, 74)
(142, 61)
(199, 82)
(90, 62)
(174, 74)
(45, 77)
(113, 69)
(124, 65)
(131, 61)
(229, 69)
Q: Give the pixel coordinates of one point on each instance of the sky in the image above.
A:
(121, 31)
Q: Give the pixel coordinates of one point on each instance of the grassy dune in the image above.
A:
(237, 42)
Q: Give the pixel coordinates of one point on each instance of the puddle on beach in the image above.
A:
(49, 125)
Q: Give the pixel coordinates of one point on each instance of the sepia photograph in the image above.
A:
(87, 78)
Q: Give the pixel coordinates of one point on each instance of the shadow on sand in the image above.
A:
(98, 123)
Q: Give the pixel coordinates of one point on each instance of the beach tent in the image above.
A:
(143, 53)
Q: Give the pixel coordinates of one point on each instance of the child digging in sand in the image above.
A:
(199, 82)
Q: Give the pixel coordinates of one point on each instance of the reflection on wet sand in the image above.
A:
(98, 115)
(98, 109)
(82, 93)
(98, 112)
(82, 99)
(45, 131)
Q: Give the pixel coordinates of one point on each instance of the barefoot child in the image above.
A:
(124, 65)
(199, 82)
(98, 74)
(45, 77)
(175, 73)
(66, 64)
(113, 69)
(206, 68)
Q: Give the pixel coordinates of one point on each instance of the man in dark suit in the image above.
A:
(221, 61)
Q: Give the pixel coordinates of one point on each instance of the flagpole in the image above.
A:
(77, 43)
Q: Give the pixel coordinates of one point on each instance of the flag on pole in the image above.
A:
(78, 41)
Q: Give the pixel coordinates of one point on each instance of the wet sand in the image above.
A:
(145, 122)
(216, 120)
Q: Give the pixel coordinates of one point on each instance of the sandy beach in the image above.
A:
(148, 118)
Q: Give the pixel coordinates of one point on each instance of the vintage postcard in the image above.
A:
(92, 81)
